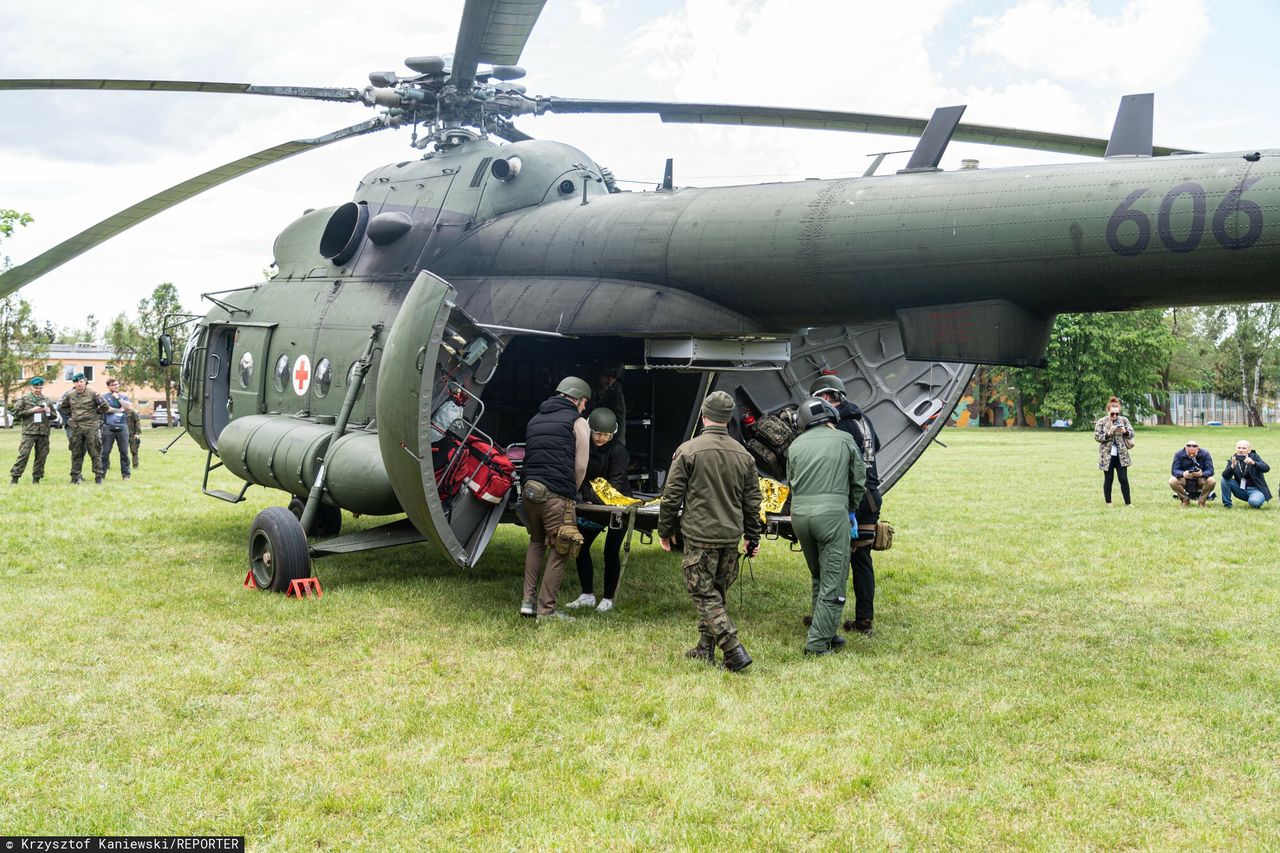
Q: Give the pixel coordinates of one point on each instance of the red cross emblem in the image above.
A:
(301, 375)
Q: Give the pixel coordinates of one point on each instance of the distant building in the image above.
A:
(92, 360)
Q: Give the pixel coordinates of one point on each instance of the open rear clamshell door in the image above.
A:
(433, 344)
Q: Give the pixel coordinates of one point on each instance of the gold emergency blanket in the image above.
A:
(610, 496)
(773, 496)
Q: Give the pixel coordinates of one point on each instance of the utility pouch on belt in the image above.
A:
(884, 536)
(568, 541)
(534, 492)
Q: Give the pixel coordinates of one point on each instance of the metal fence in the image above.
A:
(1199, 408)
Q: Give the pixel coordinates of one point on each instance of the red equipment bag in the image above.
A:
(483, 468)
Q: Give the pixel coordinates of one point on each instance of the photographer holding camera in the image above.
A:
(1114, 435)
(1192, 474)
(1244, 477)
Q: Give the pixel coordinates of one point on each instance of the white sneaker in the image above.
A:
(605, 605)
(527, 608)
(584, 600)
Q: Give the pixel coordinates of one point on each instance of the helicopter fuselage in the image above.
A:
(531, 242)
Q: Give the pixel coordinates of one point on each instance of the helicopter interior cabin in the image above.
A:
(661, 405)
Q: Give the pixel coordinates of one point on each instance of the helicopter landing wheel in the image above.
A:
(328, 520)
(278, 551)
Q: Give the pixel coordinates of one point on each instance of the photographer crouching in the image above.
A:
(1244, 477)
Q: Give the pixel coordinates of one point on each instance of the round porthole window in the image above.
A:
(324, 377)
(246, 369)
(282, 372)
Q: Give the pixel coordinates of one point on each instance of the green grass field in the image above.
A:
(1046, 673)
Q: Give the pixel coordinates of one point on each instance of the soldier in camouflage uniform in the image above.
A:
(135, 436)
(714, 478)
(35, 410)
(82, 409)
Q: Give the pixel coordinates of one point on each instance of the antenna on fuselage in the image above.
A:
(667, 185)
(934, 140)
(1132, 132)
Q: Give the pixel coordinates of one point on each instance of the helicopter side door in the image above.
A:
(249, 369)
(217, 382)
(433, 352)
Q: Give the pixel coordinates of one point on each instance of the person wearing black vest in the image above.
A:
(853, 421)
(555, 463)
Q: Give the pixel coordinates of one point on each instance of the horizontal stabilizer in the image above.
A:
(993, 331)
(1132, 133)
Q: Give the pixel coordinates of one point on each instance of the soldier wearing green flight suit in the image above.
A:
(827, 477)
(83, 409)
(714, 478)
(35, 411)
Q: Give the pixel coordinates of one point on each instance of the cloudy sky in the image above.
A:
(72, 158)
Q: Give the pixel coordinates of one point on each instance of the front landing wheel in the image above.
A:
(278, 551)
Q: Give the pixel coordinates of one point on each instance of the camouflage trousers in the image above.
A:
(709, 571)
(86, 440)
(40, 443)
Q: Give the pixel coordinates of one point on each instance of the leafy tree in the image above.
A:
(89, 333)
(1247, 360)
(1092, 356)
(10, 219)
(21, 341)
(136, 359)
(1192, 360)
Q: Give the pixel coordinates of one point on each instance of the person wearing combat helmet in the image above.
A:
(82, 410)
(555, 463)
(854, 421)
(714, 479)
(35, 411)
(827, 477)
(609, 460)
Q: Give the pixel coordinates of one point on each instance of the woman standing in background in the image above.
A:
(1114, 435)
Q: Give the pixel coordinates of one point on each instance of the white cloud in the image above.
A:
(591, 14)
(1148, 44)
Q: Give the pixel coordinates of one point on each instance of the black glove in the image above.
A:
(752, 547)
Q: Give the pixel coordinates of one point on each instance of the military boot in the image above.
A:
(35, 479)
(98, 480)
(705, 650)
(75, 481)
(862, 626)
(13, 481)
(736, 659)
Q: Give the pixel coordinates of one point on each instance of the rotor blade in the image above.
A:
(754, 116)
(165, 199)
(493, 31)
(310, 92)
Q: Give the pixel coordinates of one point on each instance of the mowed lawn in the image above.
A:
(1046, 673)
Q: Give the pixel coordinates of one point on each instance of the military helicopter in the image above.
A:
(481, 271)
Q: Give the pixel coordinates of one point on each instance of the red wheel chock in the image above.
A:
(304, 587)
(249, 582)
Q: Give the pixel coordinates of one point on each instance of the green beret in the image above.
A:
(77, 377)
(37, 381)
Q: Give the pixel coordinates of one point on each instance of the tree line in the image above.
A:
(1143, 357)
